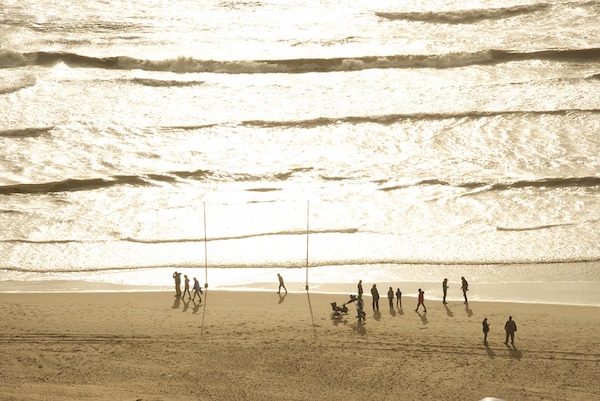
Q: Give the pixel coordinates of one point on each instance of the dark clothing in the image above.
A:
(486, 328)
(391, 298)
(375, 295)
(399, 298)
(360, 290)
(197, 291)
(511, 328)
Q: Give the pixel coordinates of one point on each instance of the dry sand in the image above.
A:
(254, 346)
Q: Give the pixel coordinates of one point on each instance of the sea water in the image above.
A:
(394, 142)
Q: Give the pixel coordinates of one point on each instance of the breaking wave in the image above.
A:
(25, 132)
(389, 119)
(303, 65)
(465, 16)
(558, 182)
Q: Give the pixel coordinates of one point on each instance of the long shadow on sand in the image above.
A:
(423, 317)
(448, 311)
(489, 351)
(469, 310)
(515, 353)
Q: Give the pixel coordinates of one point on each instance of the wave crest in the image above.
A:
(464, 16)
(293, 66)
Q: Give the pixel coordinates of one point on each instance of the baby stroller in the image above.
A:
(339, 311)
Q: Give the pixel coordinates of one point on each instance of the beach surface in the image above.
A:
(260, 346)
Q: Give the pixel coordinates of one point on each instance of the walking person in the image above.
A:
(445, 289)
(391, 297)
(177, 277)
(421, 301)
(360, 288)
(464, 287)
(375, 295)
(486, 328)
(281, 284)
(398, 298)
(510, 328)
(197, 290)
(186, 287)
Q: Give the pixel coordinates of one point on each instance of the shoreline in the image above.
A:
(256, 345)
(477, 295)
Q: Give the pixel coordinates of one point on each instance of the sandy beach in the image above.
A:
(258, 346)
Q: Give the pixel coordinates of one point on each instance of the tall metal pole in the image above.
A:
(307, 231)
(205, 255)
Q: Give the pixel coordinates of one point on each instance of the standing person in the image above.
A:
(197, 290)
(445, 289)
(360, 289)
(421, 301)
(177, 277)
(186, 287)
(391, 297)
(399, 298)
(486, 328)
(375, 295)
(464, 287)
(281, 284)
(510, 328)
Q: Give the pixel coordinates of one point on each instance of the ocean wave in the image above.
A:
(465, 16)
(294, 265)
(24, 82)
(534, 228)
(303, 65)
(389, 119)
(72, 185)
(25, 132)
(165, 83)
(244, 236)
(552, 182)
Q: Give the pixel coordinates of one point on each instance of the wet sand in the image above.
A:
(258, 346)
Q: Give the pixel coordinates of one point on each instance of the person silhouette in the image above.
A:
(511, 328)
(360, 288)
(486, 328)
(197, 290)
(375, 295)
(464, 287)
(399, 298)
(281, 284)
(177, 277)
(445, 289)
(186, 287)
(421, 301)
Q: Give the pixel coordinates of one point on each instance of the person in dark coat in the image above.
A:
(511, 328)
(360, 288)
(375, 295)
(486, 328)
(391, 297)
(399, 298)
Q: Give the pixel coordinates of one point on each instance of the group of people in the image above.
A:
(186, 288)
(510, 327)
